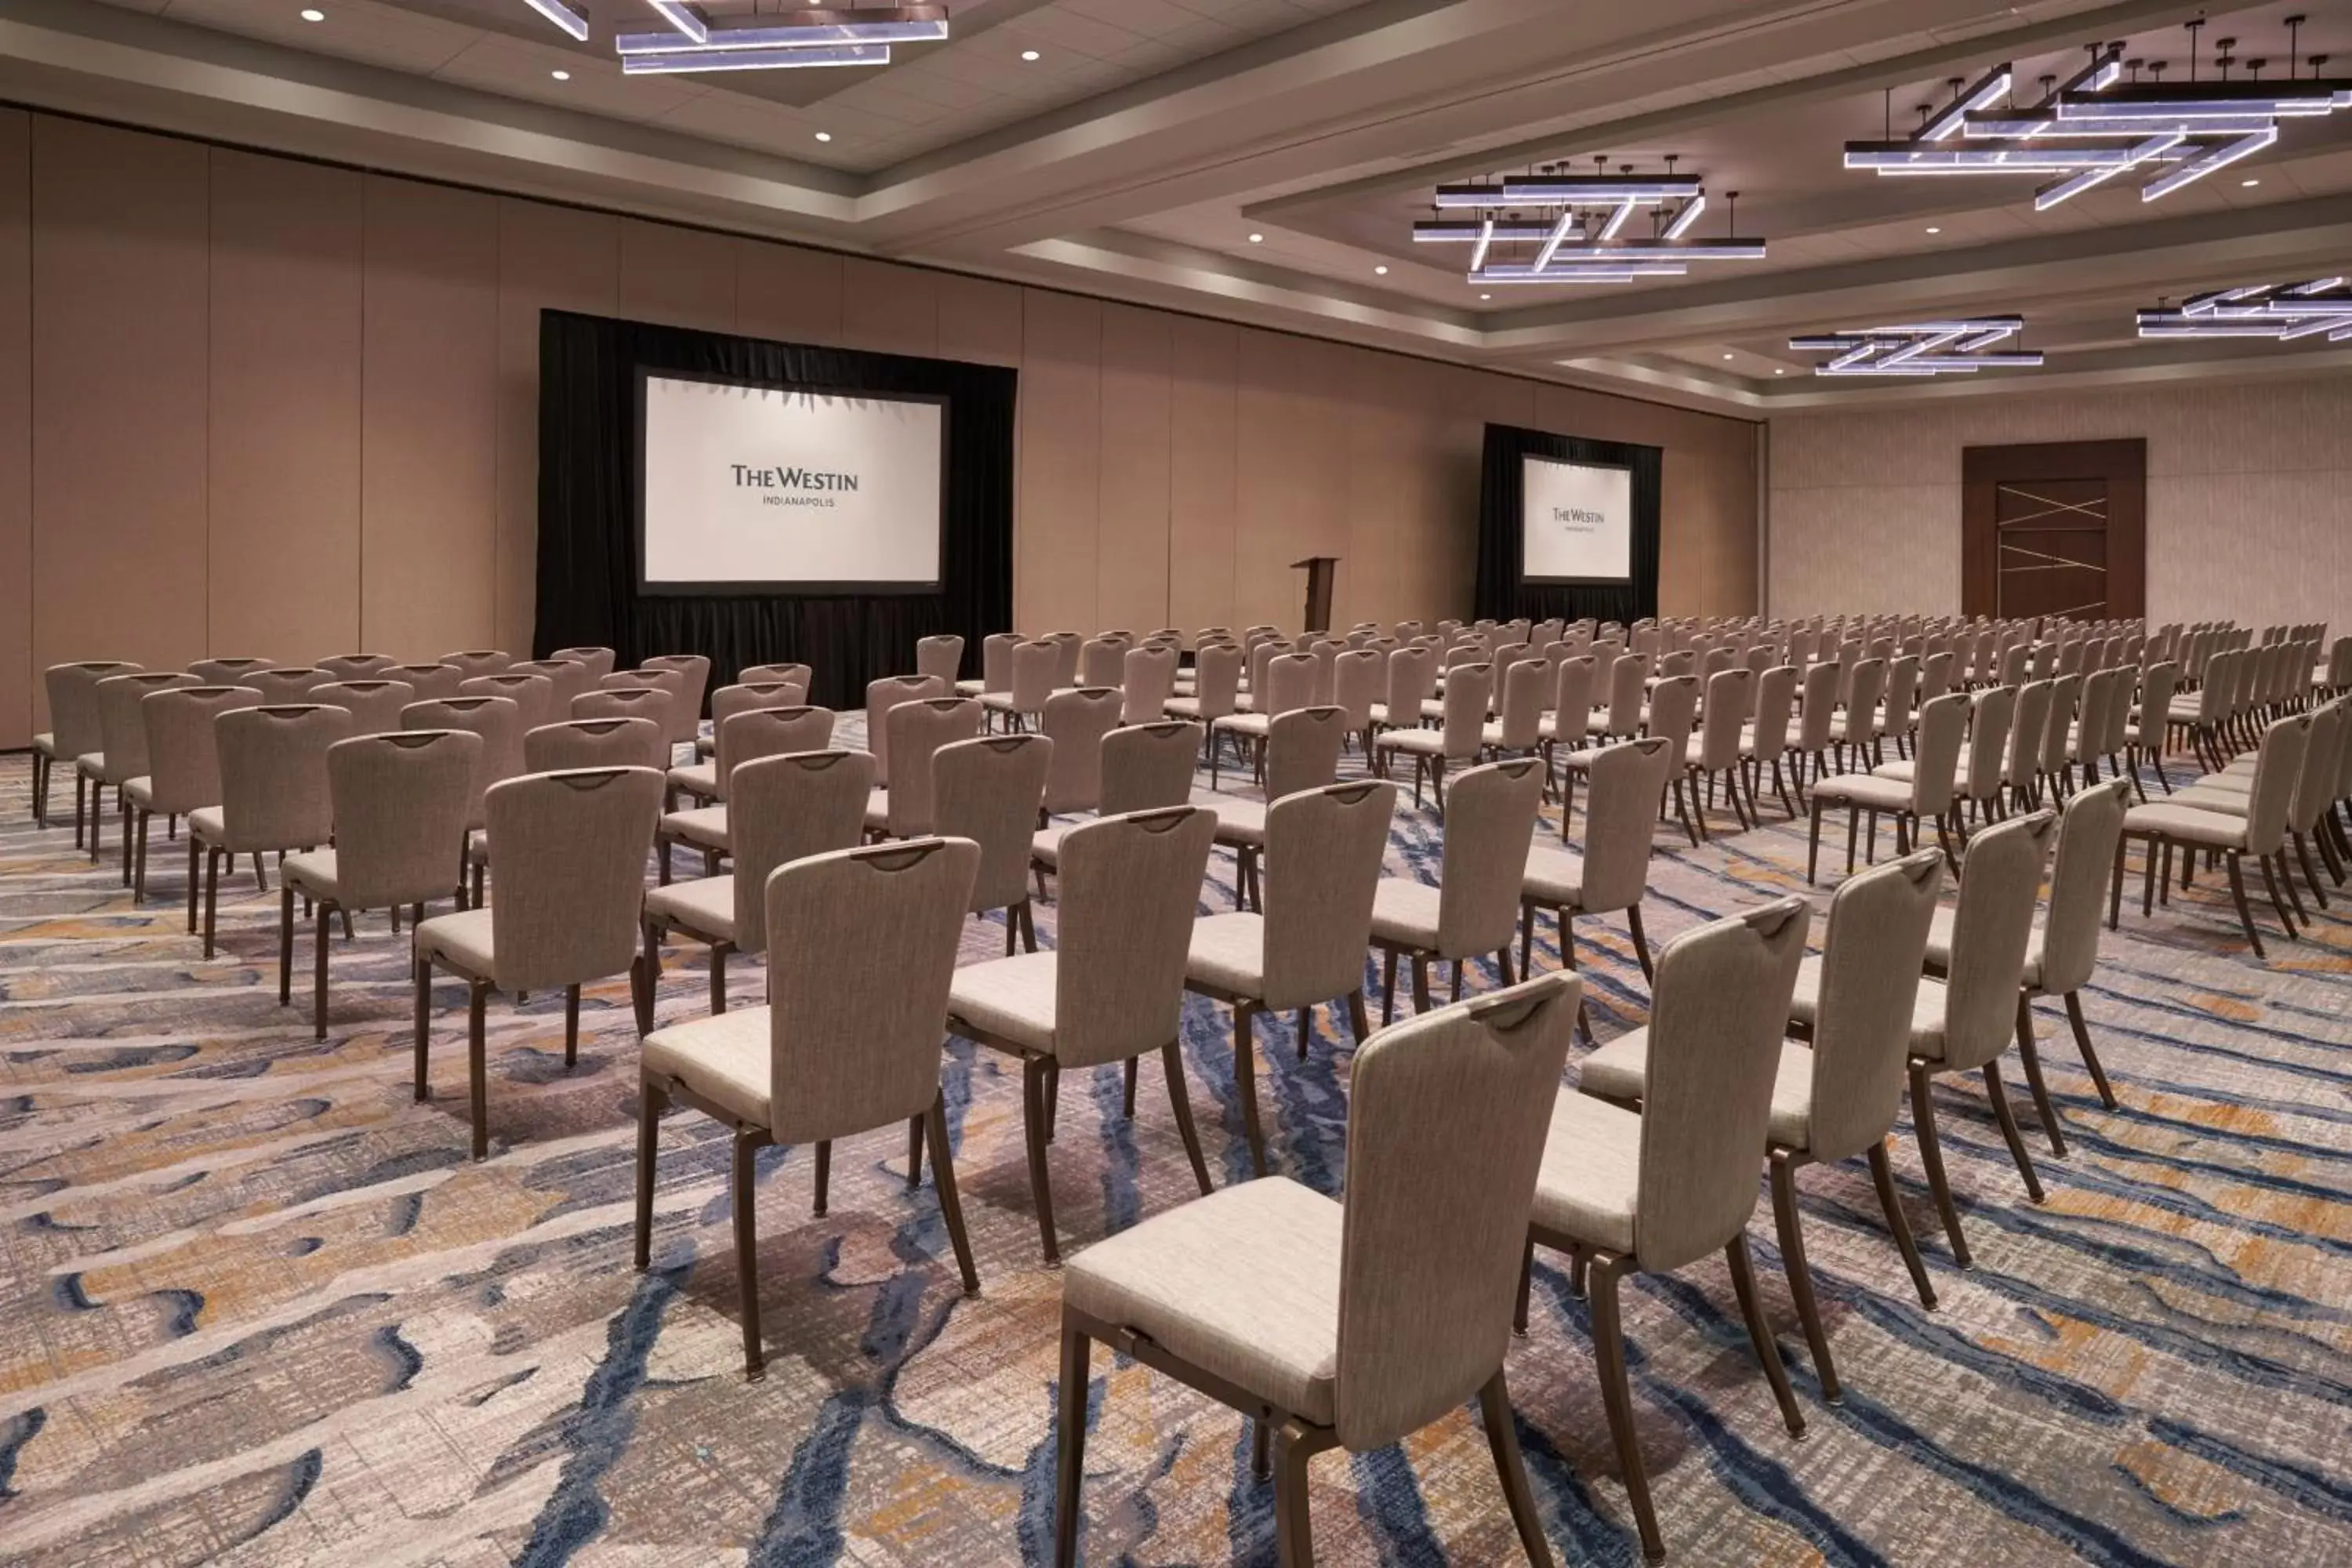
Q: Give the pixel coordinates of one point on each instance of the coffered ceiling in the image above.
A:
(1266, 160)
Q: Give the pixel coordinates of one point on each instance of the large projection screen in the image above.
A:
(752, 488)
(1576, 521)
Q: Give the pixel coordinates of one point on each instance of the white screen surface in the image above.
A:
(1576, 521)
(759, 487)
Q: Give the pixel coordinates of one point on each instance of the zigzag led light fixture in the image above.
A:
(2096, 126)
(2281, 311)
(852, 36)
(1568, 228)
(1958, 347)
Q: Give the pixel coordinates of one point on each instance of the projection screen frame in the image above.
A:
(1627, 470)
(771, 588)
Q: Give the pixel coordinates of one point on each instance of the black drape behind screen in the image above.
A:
(589, 465)
(1501, 595)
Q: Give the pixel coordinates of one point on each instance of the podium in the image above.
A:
(1318, 591)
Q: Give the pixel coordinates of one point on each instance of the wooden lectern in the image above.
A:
(1318, 591)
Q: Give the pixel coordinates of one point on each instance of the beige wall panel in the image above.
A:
(549, 258)
(118, 378)
(678, 277)
(1292, 461)
(1395, 439)
(791, 295)
(1131, 571)
(890, 310)
(1055, 536)
(979, 320)
(17, 677)
(284, 416)
(429, 487)
(1202, 501)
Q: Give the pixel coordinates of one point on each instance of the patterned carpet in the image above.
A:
(261, 1309)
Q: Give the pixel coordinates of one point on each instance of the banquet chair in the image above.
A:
(940, 658)
(593, 743)
(706, 782)
(694, 676)
(572, 875)
(995, 670)
(1102, 661)
(987, 789)
(1858, 727)
(478, 661)
(183, 768)
(373, 702)
(680, 723)
(1517, 729)
(1626, 1194)
(1030, 684)
(1077, 720)
(1409, 680)
(354, 666)
(1925, 796)
(566, 679)
(1216, 683)
(1345, 1327)
(1307, 947)
(1112, 988)
(2054, 778)
(1140, 767)
(916, 731)
(1358, 681)
(274, 793)
(1475, 907)
(789, 805)
(2260, 831)
(861, 943)
(74, 730)
(498, 722)
(759, 732)
(226, 671)
(1287, 685)
(122, 757)
(1765, 738)
(1568, 712)
(532, 695)
(2145, 738)
(400, 801)
(1147, 679)
(1302, 753)
(599, 661)
(286, 685)
(430, 682)
(883, 695)
(1461, 735)
(2308, 806)
(753, 674)
(1713, 754)
(1621, 824)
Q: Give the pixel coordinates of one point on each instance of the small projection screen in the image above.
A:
(760, 488)
(1576, 521)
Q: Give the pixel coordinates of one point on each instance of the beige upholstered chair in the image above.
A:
(1613, 873)
(1302, 753)
(1473, 910)
(430, 682)
(1461, 735)
(274, 791)
(694, 673)
(599, 661)
(183, 768)
(472, 662)
(1626, 1194)
(995, 665)
(1926, 796)
(1288, 686)
(566, 677)
(1568, 717)
(354, 666)
(498, 722)
(74, 731)
(1102, 661)
(1766, 737)
(2260, 831)
(593, 743)
(706, 781)
(1030, 684)
(2230, 793)
(1834, 1097)
(285, 686)
(1216, 683)
(1517, 727)
(1713, 755)
(624, 697)
(1411, 680)
(1143, 767)
(917, 731)
(373, 702)
(987, 789)
(861, 943)
(940, 658)
(1147, 679)
(752, 674)
(1077, 720)
(679, 722)
(881, 697)
(1964, 1022)
(1307, 948)
(1346, 1328)
(789, 805)
(400, 801)
(1114, 987)
(2053, 777)
(532, 695)
(121, 758)
(226, 671)
(1358, 681)
(572, 875)
(759, 732)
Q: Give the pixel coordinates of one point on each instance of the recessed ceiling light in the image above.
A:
(1779, 370)
(1257, 240)
(825, 135)
(1030, 55)
(560, 75)
(1486, 296)
(2249, 184)
(1727, 356)
(1933, 229)
(312, 14)
(1379, 271)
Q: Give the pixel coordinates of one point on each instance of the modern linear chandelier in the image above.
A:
(2097, 126)
(852, 36)
(1556, 228)
(1958, 347)
(2283, 312)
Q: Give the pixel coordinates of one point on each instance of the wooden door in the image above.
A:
(2054, 529)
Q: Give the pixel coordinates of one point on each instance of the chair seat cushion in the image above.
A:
(1404, 913)
(1228, 954)
(704, 746)
(1419, 742)
(723, 1057)
(1492, 735)
(1241, 823)
(1553, 877)
(1434, 708)
(705, 826)
(311, 871)
(46, 743)
(140, 790)
(208, 823)
(1045, 844)
(1243, 1284)
(970, 688)
(1182, 707)
(1257, 726)
(1940, 948)
(704, 905)
(2187, 825)
(462, 939)
(2213, 798)
(1865, 790)
(477, 847)
(1927, 1009)
(1621, 1071)
(1591, 1172)
(1903, 770)
(1580, 762)
(697, 779)
(1010, 998)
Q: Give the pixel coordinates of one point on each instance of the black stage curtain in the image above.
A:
(588, 466)
(1501, 596)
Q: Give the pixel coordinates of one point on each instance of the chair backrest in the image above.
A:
(1902, 693)
(1527, 685)
(354, 666)
(1936, 760)
(917, 730)
(1936, 676)
(1149, 678)
(121, 724)
(787, 807)
(1719, 1007)
(1077, 720)
(1731, 694)
(1674, 704)
(285, 686)
(2089, 826)
(1319, 913)
(1871, 959)
(2065, 697)
(374, 702)
(2157, 684)
(1216, 680)
(1816, 718)
(479, 661)
(1447, 1117)
(2278, 772)
(941, 655)
(572, 874)
(1629, 678)
(2001, 881)
(224, 671)
(1290, 684)
(599, 661)
(888, 693)
(745, 698)
(2315, 788)
(73, 704)
(1490, 815)
(862, 945)
(183, 748)
(622, 697)
(1102, 661)
(987, 790)
(1572, 698)
(1302, 750)
(273, 768)
(679, 722)
(2091, 716)
(498, 721)
(1775, 700)
(401, 800)
(1866, 683)
(1148, 766)
(1469, 693)
(1358, 679)
(753, 674)
(534, 698)
(996, 662)
(1130, 887)
(2025, 732)
(1621, 819)
(566, 679)
(1036, 667)
(757, 732)
(430, 682)
(1412, 678)
(694, 669)
(595, 744)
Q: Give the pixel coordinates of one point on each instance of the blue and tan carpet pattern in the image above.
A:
(258, 1307)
